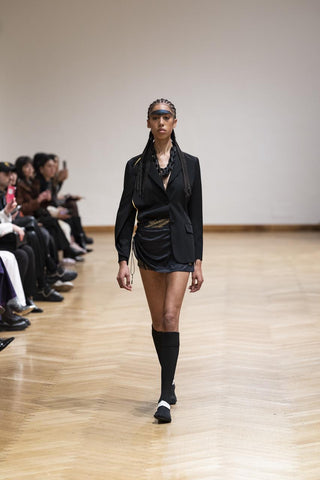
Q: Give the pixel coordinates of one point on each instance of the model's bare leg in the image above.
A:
(154, 284)
(165, 292)
(176, 284)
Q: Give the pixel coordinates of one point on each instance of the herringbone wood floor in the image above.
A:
(79, 387)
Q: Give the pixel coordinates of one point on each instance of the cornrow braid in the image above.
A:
(162, 100)
(142, 166)
(186, 181)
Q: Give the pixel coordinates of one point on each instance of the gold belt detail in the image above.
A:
(161, 222)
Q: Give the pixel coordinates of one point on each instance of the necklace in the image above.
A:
(165, 171)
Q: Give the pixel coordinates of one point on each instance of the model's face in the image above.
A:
(4, 180)
(161, 124)
(48, 170)
(28, 170)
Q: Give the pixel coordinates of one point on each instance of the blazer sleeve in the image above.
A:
(195, 211)
(126, 216)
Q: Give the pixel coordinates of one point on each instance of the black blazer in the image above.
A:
(185, 214)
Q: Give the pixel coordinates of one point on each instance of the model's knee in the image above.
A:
(170, 321)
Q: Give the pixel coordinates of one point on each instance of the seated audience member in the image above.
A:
(13, 238)
(34, 196)
(49, 272)
(69, 202)
(68, 221)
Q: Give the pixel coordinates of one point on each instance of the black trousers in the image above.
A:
(52, 258)
(76, 229)
(27, 268)
(51, 224)
(39, 239)
(7, 290)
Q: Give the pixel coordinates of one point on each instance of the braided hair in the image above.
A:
(143, 165)
(166, 102)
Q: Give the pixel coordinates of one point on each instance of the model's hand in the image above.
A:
(123, 277)
(197, 277)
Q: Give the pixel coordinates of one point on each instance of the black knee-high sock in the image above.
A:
(167, 347)
(157, 341)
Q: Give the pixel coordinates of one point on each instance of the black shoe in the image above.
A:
(163, 412)
(36, 309)
(88, 240)
(4, 342)
(64, 276)
(16, 307)
(68, 276)
(24, 319)
(48, 295)
(12, 323)
(12, 318)
(72, 252)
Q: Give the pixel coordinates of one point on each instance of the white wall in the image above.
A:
(77, 77)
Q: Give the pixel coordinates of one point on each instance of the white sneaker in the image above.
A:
(69, 261)
(62, 286)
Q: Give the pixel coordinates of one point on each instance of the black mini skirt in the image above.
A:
(153, 250)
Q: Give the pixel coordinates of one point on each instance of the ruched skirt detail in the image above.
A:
(153, 250)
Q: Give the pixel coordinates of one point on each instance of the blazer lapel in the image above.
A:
(153, 173)
(176, 170)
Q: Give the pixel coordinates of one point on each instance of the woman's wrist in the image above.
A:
(198, 262)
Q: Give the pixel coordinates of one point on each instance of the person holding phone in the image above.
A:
(162, 187)
(69, 203)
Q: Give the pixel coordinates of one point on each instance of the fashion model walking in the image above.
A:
(162, 186)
